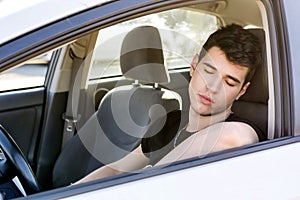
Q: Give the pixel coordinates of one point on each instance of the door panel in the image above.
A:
(251, 176)
(20, 115)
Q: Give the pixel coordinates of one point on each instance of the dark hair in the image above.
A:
(239, 45)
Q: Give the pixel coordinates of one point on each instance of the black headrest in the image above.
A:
(142, 56)
(258, 90)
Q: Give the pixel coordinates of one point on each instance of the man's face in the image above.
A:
(215, 83)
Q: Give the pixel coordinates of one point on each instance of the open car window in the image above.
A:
(183, 31)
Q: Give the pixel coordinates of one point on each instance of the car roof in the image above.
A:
(17, 18)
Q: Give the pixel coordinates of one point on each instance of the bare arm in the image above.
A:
(133, 161)
(217, 137)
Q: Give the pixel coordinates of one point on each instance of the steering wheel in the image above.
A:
(15, 164)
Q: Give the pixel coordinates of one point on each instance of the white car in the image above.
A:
(56, 125)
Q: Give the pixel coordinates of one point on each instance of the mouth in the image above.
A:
(206, 100)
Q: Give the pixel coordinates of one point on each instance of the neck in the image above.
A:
(198, 122)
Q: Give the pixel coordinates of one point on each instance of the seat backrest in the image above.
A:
(253, 105)
(125, 113)
(128, 110)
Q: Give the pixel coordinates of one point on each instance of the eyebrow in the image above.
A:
(229, 76)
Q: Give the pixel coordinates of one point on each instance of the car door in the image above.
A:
(249, 172)
(257, 171)
(22, 92)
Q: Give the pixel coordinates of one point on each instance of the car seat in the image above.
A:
(125, 113)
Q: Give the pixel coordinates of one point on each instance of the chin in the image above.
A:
(202, 112)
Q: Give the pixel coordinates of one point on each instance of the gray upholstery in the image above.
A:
(129, 110)
(125, 113)
(142, 56)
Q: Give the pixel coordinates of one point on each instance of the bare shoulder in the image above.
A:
(237, 134)
(217, 137)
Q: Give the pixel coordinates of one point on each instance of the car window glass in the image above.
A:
(30, 74)
(180, 25)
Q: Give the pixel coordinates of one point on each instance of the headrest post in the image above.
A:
(136, 83)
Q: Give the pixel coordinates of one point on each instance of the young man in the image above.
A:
(220, 75)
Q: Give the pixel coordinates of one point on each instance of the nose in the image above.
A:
(214, 83)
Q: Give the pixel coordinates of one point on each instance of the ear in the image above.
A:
(243, 90)
(194, 64)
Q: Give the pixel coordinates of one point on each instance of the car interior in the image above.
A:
(106, 88)
(125, 113)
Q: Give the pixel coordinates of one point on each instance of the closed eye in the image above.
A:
(232, 81)
(230, 84)
(208, 68)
